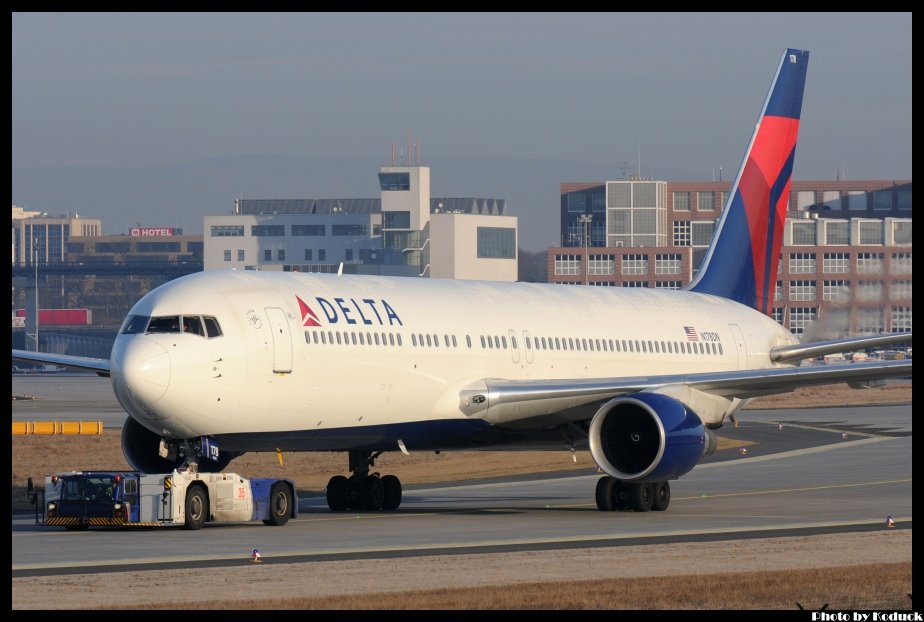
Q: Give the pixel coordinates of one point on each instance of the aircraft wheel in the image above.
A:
(604, 493)
(338, 493)
(391, 486)
(373, 495)
(621, 498)
(661, 496)
(640, 497)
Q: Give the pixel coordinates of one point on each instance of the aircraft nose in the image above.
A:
(145, 370)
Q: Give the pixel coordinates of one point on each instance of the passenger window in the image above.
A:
(167, 324)
(611, 345)
(362, 339)
(338, 339)
(436, 341)
(307, 338)
(429, 342)
(314, 337)
(353, 338)
(557, 344)
(528, 344)
(399, 339)
(454, 341)
(584, 344)
(323, 339)
(468, 341)
(497, 343)
(720, 349)
(391, 339)
(446, 340)
(490, 344)
(376, 336)
(413, 339)
(503, 342)
(482, 342)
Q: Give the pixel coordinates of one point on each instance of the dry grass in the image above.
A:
(836, 395)
(870, 586)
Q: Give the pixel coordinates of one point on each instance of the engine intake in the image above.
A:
(647, 437)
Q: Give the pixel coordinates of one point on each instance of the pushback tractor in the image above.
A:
(80, 500)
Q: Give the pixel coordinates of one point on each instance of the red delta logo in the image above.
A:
(309, 318)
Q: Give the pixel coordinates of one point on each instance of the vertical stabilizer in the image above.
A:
(741, 263)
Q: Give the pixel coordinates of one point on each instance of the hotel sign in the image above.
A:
(150, 231)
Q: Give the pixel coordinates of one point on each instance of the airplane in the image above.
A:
(219, 363)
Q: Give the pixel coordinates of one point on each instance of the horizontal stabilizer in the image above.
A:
(783, 354)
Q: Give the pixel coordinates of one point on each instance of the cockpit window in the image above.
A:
(135, 324)
(192, 324)
(204, 326)
(211, 326)
(166, 324)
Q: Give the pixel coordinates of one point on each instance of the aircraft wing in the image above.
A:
(511, 400)
(100, 366)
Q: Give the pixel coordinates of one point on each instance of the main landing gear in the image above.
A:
(363, 490)
(614, 494)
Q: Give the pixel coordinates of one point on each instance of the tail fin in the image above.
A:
(742, 261)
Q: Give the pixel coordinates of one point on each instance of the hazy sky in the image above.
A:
(681, 91)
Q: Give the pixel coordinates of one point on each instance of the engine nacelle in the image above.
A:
(647, 437)
(141, 448)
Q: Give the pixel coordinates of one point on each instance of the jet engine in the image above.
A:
(141, 448)
(647, 437)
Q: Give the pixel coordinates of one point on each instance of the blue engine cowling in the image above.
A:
(647, 437)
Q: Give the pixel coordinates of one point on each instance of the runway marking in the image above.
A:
(818, 428)
(807, 488)
(756, 492)
(794, 452)
(343, 517)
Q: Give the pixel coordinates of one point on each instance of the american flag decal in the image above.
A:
(691, 333)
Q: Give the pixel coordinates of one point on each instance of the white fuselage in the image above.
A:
(308, 354)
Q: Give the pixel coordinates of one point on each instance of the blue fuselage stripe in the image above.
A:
(776, 191)
(419, 435)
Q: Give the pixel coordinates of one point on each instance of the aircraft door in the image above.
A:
(528, 345)
(282, 340)
(514, 345)
(740, 346)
